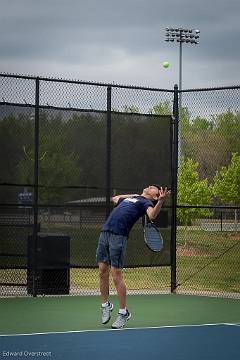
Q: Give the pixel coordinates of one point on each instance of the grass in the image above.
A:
(206, 261)
(209, 261)
(156, 278)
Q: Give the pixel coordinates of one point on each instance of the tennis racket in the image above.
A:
(152, 237)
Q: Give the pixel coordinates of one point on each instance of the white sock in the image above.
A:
(122, 311)
(105, 304)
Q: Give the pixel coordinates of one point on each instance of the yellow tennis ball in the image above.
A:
(165, 64)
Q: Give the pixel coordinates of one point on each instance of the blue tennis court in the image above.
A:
(198, 342)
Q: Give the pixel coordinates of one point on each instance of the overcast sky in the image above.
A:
(121, 41)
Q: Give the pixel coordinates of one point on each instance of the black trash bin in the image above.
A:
(51, 261)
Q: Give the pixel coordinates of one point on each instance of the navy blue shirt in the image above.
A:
(125, 214)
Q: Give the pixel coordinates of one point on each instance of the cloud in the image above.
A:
(120, 41)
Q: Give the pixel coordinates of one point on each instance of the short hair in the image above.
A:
(157, 186)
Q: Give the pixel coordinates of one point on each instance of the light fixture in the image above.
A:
(181, 35)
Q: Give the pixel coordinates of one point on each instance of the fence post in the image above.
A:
(109, 150)
(36, 175)
(221, 217)
(174, 190)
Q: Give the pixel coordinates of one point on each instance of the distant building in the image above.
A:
(89, 201)
(90, 210)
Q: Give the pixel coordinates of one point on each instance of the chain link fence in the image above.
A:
(209, 131)
(70, 146)
(96, 140)
(208, 253)
(208, 247)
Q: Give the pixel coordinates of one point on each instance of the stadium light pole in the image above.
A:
(188, 36)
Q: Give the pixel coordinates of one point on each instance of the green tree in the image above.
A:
(226, 183)
(208, 149)
(164, 108)
(200, 123)
(191, 191)
(210, 141)
(228, 125)
(15, 130)
(57, 168)
(86, 137)
(130, 109)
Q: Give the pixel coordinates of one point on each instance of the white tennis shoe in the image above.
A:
(121, 320)
(106, 313)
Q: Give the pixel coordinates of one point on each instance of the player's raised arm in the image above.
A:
(153, 212)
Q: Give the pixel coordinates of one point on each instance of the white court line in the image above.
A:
(125, 329)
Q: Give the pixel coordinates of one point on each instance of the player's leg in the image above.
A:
(104, 281)
(123, 313)
(117, 249)
(120, 286)
(103, 261)
(106, 306)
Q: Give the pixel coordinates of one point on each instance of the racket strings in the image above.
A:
(153, 238)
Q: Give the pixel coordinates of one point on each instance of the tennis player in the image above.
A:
(113, 241)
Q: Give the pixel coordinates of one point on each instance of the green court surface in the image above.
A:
(62, 314)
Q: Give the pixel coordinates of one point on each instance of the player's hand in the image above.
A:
(163, 193)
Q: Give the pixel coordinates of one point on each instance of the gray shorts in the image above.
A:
(111, 249)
